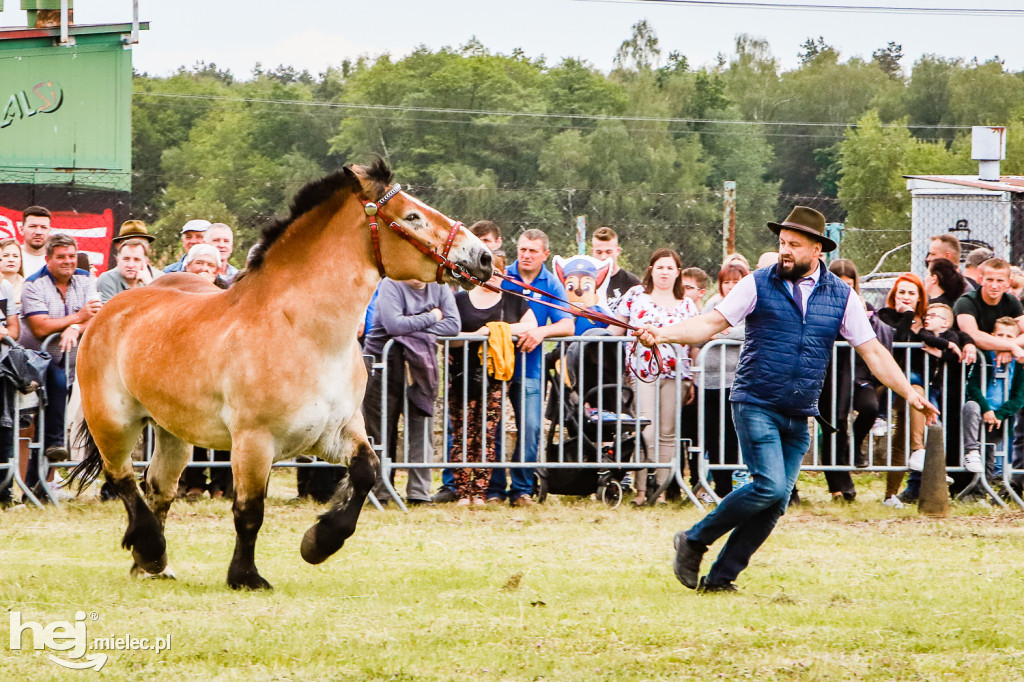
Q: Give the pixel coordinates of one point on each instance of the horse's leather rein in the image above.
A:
(372, 209)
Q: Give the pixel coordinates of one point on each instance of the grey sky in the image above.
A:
(316, 33)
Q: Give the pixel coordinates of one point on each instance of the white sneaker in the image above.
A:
(916, 461)
(893, 502)
(879, 428)
(972, 460)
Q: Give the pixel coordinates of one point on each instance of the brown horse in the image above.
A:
(268, 369)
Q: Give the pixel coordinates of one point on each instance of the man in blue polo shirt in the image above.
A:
(525, 391)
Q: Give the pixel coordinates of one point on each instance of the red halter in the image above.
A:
(372, 209)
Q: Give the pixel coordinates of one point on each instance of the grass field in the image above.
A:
(567, 591)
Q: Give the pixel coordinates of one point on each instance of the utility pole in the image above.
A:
(729, 219)
(581, 235)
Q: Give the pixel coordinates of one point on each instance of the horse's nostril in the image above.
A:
(485, 260)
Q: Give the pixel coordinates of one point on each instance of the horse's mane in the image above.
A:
(377, 176)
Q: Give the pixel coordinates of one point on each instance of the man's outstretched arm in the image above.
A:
(688, 332)
(885, 369)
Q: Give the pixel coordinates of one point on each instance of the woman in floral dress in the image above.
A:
(659, 301)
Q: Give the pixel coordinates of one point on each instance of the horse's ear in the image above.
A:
(355, 184)
(602, 272)
(371, 181)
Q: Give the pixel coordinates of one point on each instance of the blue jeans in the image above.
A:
(913, 488)
(448, 475)
(528, 420)
(773, 446)
(56, 402)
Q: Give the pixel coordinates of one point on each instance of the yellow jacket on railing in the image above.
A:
(501, 353)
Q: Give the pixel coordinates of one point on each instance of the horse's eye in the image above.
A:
(411, 217)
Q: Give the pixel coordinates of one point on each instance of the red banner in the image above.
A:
(91, 231)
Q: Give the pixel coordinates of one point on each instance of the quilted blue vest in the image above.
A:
(782, 366)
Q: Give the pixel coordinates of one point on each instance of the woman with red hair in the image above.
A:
(906, 306)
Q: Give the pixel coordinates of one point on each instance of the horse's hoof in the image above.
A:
(166, 574)
(147, 566)
(249, 581)
(139, 572)
(313, 551)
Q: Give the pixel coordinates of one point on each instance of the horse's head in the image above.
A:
(414, 238)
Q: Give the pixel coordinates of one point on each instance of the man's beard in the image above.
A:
(794, 271)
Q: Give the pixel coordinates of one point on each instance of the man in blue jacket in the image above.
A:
(794, 312)
(532, 252)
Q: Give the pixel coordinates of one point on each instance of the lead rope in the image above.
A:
(655, 365)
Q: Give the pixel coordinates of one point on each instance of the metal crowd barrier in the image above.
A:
(10, 472)
(585, 395)
(876, 462)
(566, 416)
(36, 443)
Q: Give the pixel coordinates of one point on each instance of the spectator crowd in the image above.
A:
(964, 317)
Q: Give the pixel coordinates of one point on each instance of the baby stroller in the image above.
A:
(593, 419)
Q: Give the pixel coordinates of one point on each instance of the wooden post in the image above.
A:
(934, 497)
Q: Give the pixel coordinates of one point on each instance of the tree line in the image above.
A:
(644, 148)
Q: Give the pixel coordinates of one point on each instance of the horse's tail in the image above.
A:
(89, 469)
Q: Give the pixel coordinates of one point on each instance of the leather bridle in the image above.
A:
(373, 209)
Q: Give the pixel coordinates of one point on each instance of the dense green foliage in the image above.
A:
(644, 148)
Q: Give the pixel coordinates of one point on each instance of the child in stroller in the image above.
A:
(591, 410)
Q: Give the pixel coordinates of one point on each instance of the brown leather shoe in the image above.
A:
(57, 453)
(523, 501)
(194, 494)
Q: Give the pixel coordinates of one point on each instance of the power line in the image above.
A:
(583, 126)
(856, 9)
(572, 126)
(531, 114)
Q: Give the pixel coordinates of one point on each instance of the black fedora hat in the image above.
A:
(808, 221)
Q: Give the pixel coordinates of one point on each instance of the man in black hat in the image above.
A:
(794, 312)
